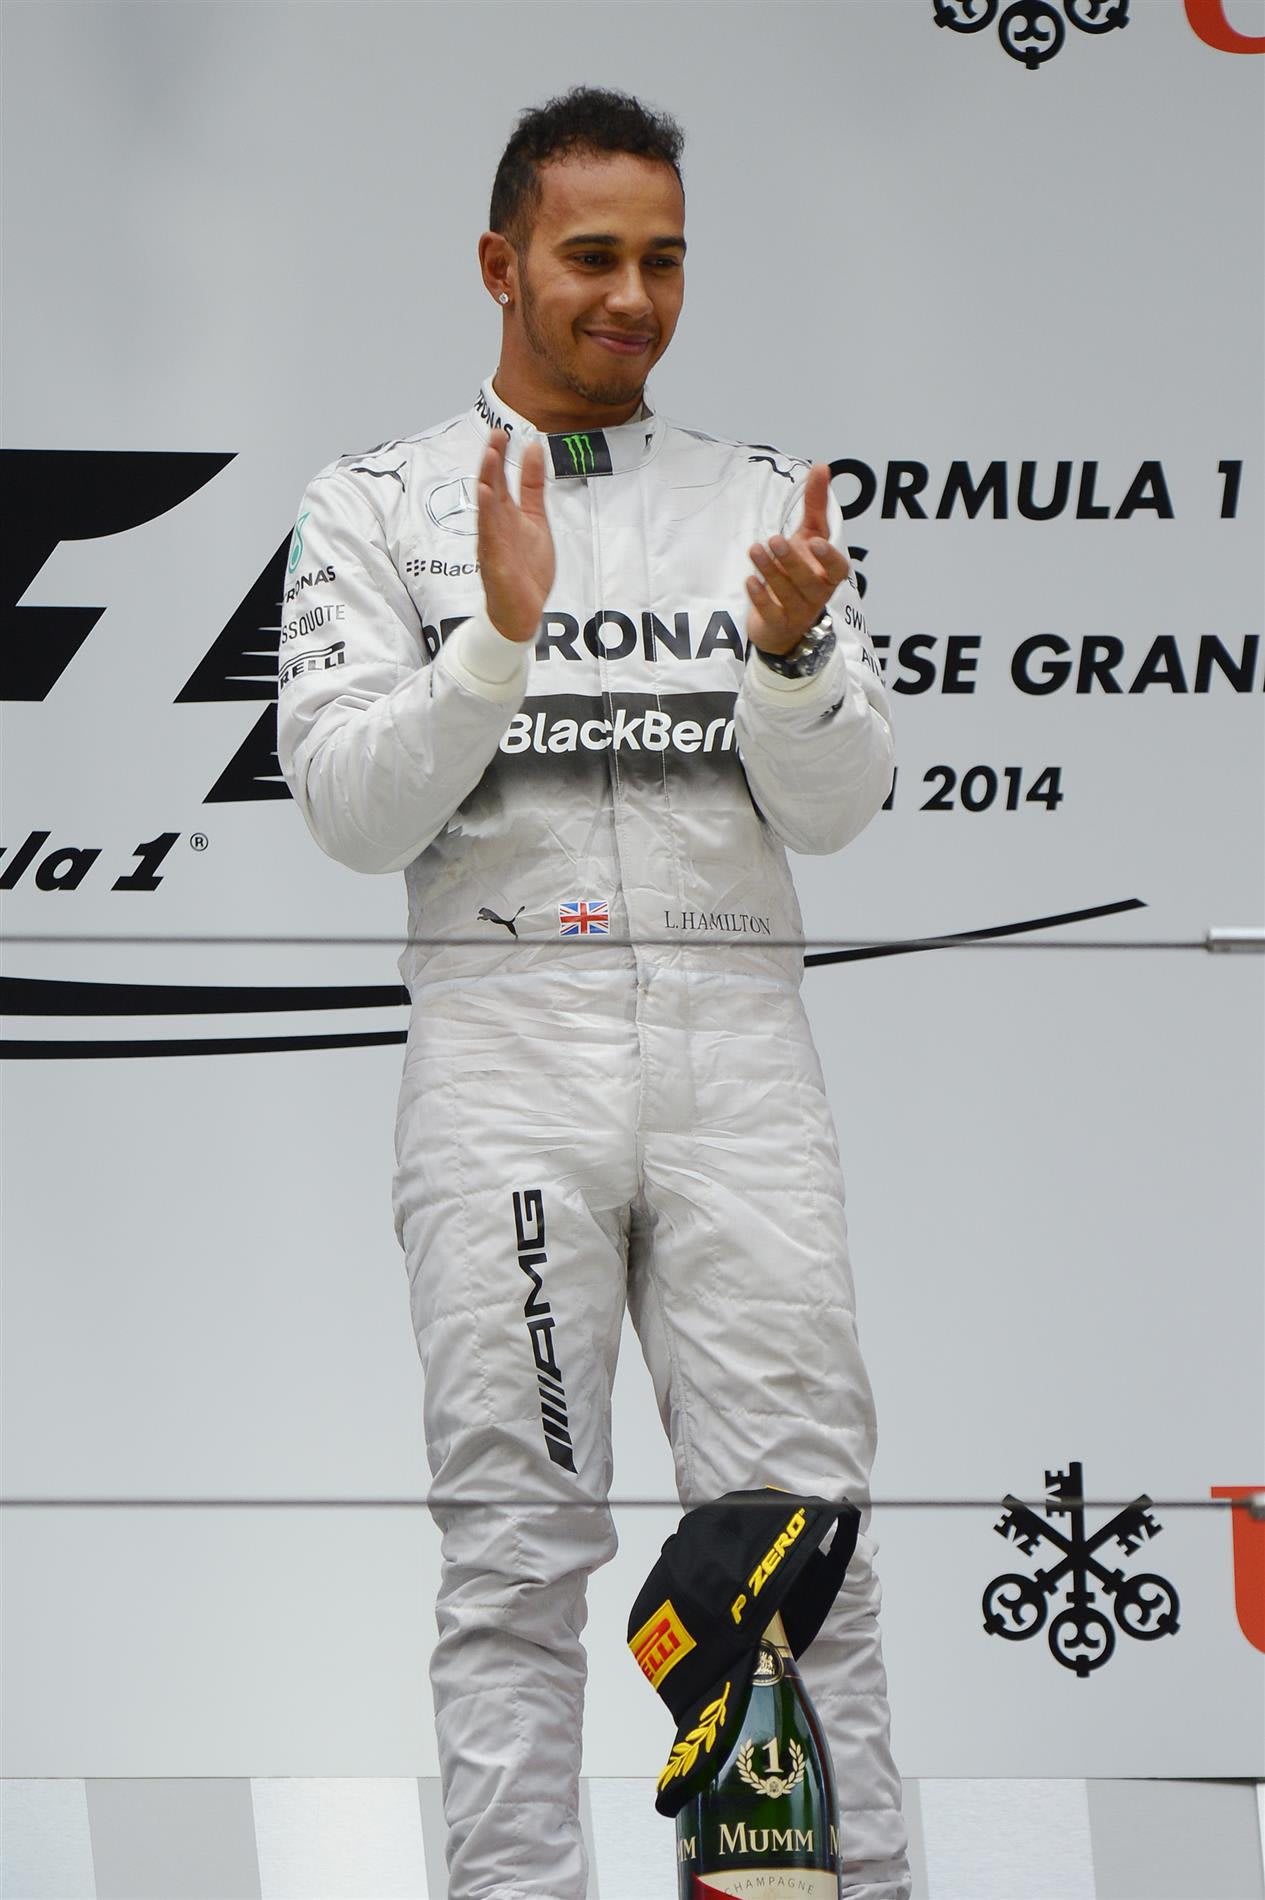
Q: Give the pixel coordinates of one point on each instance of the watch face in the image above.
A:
(811, 654)
(808, 656)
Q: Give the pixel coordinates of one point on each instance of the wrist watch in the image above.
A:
(808, 656)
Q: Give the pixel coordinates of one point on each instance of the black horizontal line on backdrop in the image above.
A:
(54, 997)
(62, 997)
(1255, 1506)
(152, 1047)
(861, 946)
(853, 947)
(989, 933)
(837, 947)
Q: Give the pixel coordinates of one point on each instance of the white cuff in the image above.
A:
(484, 661)
(768, 684)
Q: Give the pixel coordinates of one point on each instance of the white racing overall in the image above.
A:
(610, 1093)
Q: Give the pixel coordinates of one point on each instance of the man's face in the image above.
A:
(602, 278)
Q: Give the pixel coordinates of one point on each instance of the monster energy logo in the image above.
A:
(575, 456)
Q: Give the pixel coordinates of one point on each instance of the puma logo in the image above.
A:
(487, 916)
(360, 469)
(787, 474)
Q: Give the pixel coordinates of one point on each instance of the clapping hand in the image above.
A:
(794, 578)
(515, 547)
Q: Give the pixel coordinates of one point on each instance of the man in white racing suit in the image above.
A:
(583, 675)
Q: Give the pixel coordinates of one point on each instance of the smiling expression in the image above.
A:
(595, 295)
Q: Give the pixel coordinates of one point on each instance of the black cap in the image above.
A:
(696, 1626)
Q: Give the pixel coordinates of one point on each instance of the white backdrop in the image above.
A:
(247, 232)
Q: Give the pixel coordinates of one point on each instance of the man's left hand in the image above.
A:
(794, 579)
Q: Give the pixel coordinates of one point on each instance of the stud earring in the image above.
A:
(504, 297)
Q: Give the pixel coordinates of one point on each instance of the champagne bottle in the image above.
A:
(767, 1824)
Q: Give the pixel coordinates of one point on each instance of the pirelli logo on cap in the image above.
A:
(660, 1643)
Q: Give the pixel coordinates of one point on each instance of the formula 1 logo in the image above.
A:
(54, 495)
(1080, 1637)
(1031, 31)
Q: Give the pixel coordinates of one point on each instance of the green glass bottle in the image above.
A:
(767, 1825)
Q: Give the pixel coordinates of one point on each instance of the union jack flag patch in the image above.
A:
(584, 917)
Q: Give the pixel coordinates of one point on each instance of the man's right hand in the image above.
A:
(515, 547)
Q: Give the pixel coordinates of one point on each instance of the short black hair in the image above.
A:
(586, 119)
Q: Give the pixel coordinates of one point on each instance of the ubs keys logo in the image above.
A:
(1031, 31)
(1081, 1637)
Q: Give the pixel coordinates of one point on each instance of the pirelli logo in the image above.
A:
(660, 1643)
(320, 660)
